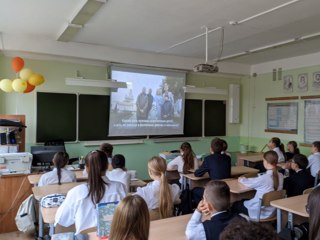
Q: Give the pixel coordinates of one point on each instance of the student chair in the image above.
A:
(265, 202)
(88, 230)
(308, 190)
(154, 214)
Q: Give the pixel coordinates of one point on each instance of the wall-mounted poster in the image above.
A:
(311, 121)
(288, 83)
(316, 81)
(302, 82)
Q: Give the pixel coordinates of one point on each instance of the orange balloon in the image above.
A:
(29, 88)
(17, 64)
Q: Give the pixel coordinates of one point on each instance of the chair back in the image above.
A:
(271, 196)
(172, 176)
(88, 230)
(316, 179)
(154, 214)
(308, 190)
(250, 175)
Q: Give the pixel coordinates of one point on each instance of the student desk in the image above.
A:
(236, 171)
(250, 160)
(169, 229)
(40, 192)
(293, 205)
(34, 179)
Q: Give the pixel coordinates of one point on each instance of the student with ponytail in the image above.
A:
(272, 180)
(79, 207)
(276, 145)
(158, 194)
(59, 174)
(186, 161)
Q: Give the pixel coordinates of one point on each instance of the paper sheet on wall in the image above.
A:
(282, 116)
(311, 121)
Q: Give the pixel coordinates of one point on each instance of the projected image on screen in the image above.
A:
(152, 104)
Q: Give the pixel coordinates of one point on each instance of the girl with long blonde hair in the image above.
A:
(158, 194)
(131, 220)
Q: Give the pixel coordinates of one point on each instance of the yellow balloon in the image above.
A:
(36, 79)
(6, 85)
(19, 85)
(25, 73)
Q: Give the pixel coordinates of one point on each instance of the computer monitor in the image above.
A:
(43, 155)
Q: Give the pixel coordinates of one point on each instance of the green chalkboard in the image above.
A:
(56, 117)
(215, 118)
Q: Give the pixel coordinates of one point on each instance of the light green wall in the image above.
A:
(137, 154)
(254, 107)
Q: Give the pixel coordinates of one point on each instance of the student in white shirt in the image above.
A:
(276, 145)
(119, 174)
(186, 161)
(314, 159)
(215, 203)
(270, 181)
(131, 220)
(79, 207)
(158, 194)
(59, 174)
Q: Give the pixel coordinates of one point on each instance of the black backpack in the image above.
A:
(187, 204)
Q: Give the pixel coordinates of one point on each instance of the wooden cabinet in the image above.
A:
(19, 132)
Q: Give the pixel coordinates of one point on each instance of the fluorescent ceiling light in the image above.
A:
(86, 12)
(263, 13)
(95, 83)
(207, 90)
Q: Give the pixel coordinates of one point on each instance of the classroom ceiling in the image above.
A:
(151, 26)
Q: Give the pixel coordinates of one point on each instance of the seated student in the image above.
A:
(276, 145)
(216, 202)
(158, 194)
(119, 174)
(248, 230)
(314, 159)
(301, 179)
(107, 148)
(270, 181)
(131, 220)
(225, 148)
(79, 207)
(186, 161)
(59, 174)
(217, 165)
(313, 208)
(293, 149)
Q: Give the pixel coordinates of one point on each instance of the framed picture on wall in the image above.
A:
(288, 83)
(316, 81)
(302, 82)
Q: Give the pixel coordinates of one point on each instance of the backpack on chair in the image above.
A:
(186, 205)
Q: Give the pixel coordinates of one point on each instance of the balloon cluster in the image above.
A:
(25, 82)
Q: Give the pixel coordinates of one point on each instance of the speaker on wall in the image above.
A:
(234, 103)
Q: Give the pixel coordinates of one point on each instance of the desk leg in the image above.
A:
(40, 234)
(51, 232)
(279, 220)
(290, 220)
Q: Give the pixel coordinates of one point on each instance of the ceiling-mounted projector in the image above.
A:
(206, 68)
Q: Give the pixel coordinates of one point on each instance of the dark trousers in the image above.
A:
(238, 207)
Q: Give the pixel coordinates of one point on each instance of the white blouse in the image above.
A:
(118, 175)
(52, 177)
(263, 184)
(78, 208)
(178, 163)
(150, 193)
(280, 154)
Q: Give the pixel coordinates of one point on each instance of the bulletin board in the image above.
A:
(311, 121)
(282, 117)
